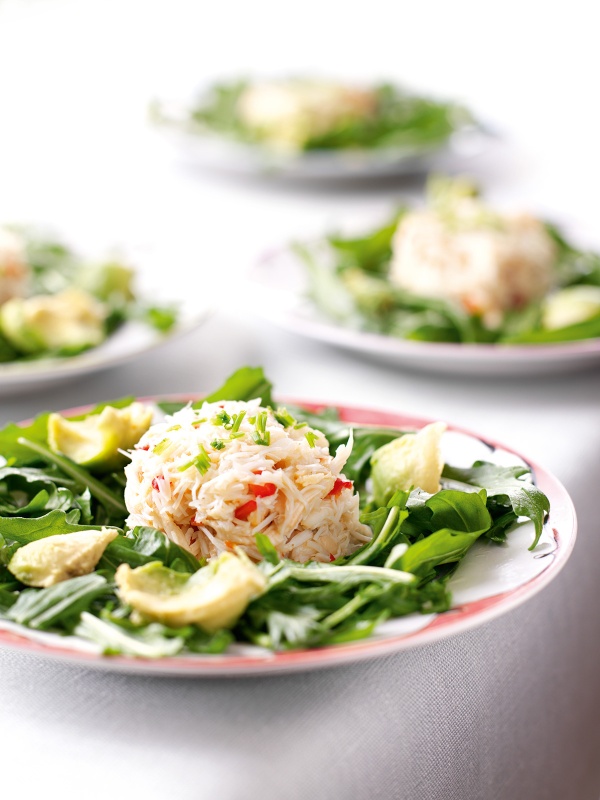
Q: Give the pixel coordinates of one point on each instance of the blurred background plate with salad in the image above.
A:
(63, 315)
(318, 129)
(451, 286)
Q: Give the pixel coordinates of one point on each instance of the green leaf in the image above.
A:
(59, 604)
(370, 252)
(148, 641)
(266, 548)
(14, 452)
(162, 318)
(112, 501)
(154, 544)
(386, 525)
(246, 383)
(442, 547)
(502, 483)
(590, 329)
(459, 511)
(24, 530)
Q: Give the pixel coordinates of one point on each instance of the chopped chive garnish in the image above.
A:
(237, 421)
(221, 418)
(299, 425)
(283, 416)
(237, 435)
(251, 420)
(161, 446)
(197, 422)
(217, 444)
(202, 462)
(174, 428)
(311, 438)
(261, 435)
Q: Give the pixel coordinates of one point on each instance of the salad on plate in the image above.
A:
(54, 304)
(459, 271)
(306, 114)
(153, 529)
(317, 128)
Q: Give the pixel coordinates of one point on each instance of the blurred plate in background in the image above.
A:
(279, 289)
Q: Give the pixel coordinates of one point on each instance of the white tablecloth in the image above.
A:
(509, 710)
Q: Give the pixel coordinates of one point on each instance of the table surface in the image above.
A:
(509, 709)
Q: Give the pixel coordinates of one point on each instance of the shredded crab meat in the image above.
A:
(213, 477)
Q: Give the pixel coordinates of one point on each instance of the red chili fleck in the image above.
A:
(262, 490)
(331, 557)
(257, 471)
(155, 485)
(145, 447)
(243, 512)
(193, 539)
(338, 486)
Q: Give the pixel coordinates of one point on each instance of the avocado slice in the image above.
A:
(214, 597)
(57, 558)
(570, 306)
(94, 442)
(412, 461)
(67, 322)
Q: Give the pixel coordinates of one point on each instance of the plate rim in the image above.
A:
(22, 374)
(444, 625)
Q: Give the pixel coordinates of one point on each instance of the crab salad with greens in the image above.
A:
(148, 530)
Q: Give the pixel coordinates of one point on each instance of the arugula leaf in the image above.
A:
(505, 483)
(386, 525)
(589, 329)
(442, 547)
(28, 492)
(58, 605)
(24, 530)
(459, 511)
(246, 383)
(149, 641)
(113, 502)
(15, 453)
(266, 548)
(162, 318)
(153, 543)
(370, 252)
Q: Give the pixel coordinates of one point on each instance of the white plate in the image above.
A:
(491, 580)
(279, 285)
(209, 150)
(131, 340)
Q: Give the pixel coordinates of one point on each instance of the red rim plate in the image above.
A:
(563, 526)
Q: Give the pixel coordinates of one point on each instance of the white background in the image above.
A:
(76, 154)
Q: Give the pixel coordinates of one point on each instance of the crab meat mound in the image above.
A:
(14, 269)
(289, 113)
(212, 478)
(487, 264)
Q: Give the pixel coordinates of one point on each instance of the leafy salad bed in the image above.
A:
(418, 541)
(402, 120)
(105, 291)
